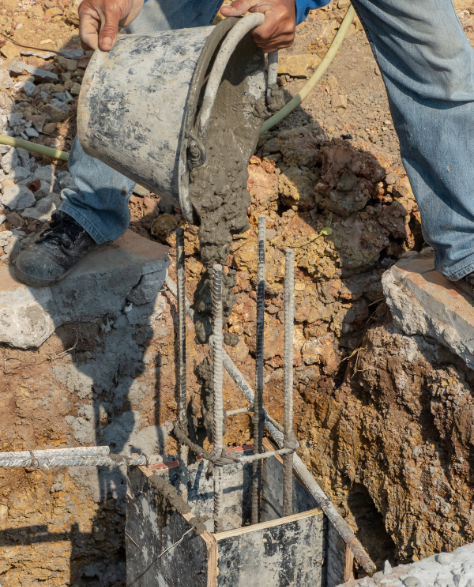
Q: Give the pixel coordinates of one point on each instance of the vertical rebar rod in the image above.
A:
(218, 407)
(182, 416)
(257, 418)
(288, 381)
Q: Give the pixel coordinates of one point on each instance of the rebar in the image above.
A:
(299, 467)
(181, 388)
(258, 421)
(218, 407)
(289, 308)
(73, 457)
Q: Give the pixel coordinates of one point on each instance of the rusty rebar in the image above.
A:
(181, 387)
(257, 418)
(289, 309)
(218, 404)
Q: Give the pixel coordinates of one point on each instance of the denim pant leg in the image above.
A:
(427, 65)
(100, 204)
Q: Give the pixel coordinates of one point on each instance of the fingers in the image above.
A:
(109, 29)
(238, 8)
(100, 20)
(89, 26)
(278, 30)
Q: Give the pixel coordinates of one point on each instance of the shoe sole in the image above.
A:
(35, 282)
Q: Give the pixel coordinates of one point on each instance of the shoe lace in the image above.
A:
(63, 231)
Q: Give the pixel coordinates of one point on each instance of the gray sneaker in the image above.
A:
(51, 255)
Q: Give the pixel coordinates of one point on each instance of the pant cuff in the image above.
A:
(84, 222)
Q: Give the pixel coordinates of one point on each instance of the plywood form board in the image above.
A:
(280, 553)
(149, 562)
(237, 492)
(338, 556)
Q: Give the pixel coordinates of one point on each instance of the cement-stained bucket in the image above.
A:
(145, 106)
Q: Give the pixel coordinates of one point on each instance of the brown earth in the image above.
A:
(383, 420)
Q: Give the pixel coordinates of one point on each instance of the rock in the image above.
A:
(13, 247)
(332, 82)
(73, 53)
(15, 119)
(5, 237)
(343, 3)
(38, 121)
(15, 220)
(411, 582)
(35, 11)
(31, 132)
(71, 64)
(66, 182)
(139, 190)
(163, 226)
(17, 197)
(72, 15)
(298, 65)
(43, 209)
(387, 567)
(5, 79)
(10, 50)
(19, 67)
(10, 160)
(40, 188)
(339, 101)
(444, 558)
(2, 219)
(19, 174)
(75, 89)
(49, 128)
(53, 113)
(24, 157)
(54, 11)
(46, 172)
(152, 206)
(321, 350)
(11, 5)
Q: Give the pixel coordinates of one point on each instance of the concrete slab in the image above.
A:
(424, 302)
(98, 285)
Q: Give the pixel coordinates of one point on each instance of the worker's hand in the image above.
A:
(278, 29)
(100, 20)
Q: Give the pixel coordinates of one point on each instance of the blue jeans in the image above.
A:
(428, 67)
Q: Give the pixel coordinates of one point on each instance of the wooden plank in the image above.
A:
(268, 524)
(277, 553)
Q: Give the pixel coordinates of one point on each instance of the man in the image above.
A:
(428, 69)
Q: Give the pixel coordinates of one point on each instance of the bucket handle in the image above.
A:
(233, 38)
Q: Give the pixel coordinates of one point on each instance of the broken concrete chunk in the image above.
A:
(46, 173)
(424, 302)
(17, 197)
(98, 286)
(43, 209)
(10, 160)
(19, 174)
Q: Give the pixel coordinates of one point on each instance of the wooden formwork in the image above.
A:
(163, 549)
